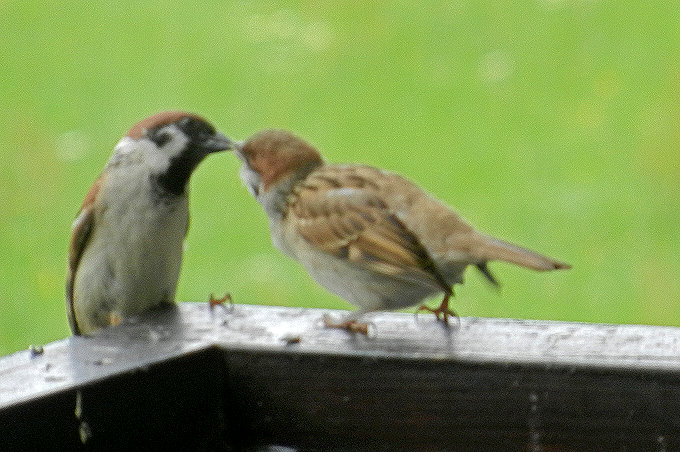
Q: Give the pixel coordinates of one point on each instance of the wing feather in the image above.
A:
(339, 212)
(81, 231)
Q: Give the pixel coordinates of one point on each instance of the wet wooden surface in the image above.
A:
(249, 376)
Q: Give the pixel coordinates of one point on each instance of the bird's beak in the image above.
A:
(218, 142)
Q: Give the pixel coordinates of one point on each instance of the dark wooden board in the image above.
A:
(245, 377)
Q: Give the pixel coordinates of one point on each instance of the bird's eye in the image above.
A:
(160, 138)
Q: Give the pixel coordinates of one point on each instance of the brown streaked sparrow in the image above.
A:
(126, 242)
(367, 235)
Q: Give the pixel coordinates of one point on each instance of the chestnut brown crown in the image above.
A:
(274, 154)
(159, 120)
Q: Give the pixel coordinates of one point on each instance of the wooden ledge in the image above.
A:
(249, 376)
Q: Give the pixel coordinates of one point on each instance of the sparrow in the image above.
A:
(367, 235)
(126, 242)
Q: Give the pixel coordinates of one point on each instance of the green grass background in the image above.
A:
(554, 124)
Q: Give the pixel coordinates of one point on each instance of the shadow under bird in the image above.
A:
(367, 235)
(126, 242)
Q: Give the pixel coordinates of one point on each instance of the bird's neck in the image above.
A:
(174, 180)
(274, 200)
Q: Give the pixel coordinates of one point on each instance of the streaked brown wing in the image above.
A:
(343, 216)
(80, 234)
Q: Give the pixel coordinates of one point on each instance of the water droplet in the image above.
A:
(85, 432)
(291, 339)
(103, 361)
(54, 378)
(155, 336)
(79, 405)
(662, 442)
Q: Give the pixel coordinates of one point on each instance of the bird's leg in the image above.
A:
(351, 324)
(442, 310)
(219, 301)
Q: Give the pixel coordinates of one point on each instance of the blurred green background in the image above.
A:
(554, 124)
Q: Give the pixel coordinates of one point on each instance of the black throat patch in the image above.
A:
(173, 182)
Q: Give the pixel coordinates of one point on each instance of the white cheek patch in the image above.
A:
(159, 158)
(177, 143)
(124, 146)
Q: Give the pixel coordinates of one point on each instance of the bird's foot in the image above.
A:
(219, 301)
(353, 326)
(442, 312)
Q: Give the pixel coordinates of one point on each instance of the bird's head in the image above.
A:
(274, 156)
(171, 144)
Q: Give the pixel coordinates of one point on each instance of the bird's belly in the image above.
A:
(362, 287)
(128, 268)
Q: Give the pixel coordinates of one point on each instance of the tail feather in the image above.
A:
(489, 248)
(484, 270)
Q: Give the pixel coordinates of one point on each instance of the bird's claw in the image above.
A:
(219, 301)
(442, 312)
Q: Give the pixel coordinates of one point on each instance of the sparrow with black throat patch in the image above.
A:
(367, 235)
(126, 242)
